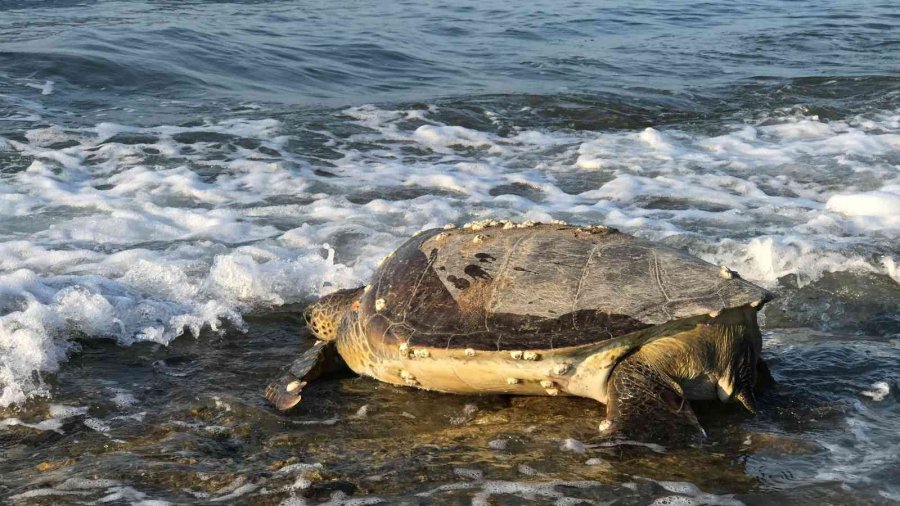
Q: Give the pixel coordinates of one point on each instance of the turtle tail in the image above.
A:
(324, 316)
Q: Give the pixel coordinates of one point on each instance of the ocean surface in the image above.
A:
(179, 178)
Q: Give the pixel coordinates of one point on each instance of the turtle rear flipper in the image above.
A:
(645, 404)
(284, 392)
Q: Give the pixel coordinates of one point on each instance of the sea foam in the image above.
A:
(148, 233)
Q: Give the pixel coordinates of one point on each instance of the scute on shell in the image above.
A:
(539, 287)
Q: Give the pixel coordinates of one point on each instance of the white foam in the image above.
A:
(238, 492)
(97, 425)
(300, 467)
(622, 442)
(528, 470)
(57, 414)
(892, 267)
(472, 474)
(680, 487)
(123, 399)
(328, 421)
(766, 259)
(879, 392)
(46, 88)
(113, 490)
(48, 135)
(44, 492)
(876, 211)
(498, 444)
(572, 445)
(131, 496)
(542, 492)
(690, 495)
(866, 445)
(98, 240)
(61, 411)
(878, 203)
(440, 138)
(339, 498)
(45, 425)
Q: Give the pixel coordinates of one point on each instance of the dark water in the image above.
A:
(150, 57)
(178, 179)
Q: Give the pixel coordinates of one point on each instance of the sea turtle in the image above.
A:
(547, 309)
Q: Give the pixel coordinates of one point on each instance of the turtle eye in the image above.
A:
(307, 315)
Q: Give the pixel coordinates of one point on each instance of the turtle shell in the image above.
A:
(539, 287)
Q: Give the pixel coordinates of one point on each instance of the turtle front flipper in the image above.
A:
(647, 405)
(764, 379)
(284, 392)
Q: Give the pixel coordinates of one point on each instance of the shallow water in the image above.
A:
(178, 179)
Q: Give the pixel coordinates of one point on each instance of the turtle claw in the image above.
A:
(284, 393)
(746, 399)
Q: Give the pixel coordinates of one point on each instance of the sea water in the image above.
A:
(178, 179)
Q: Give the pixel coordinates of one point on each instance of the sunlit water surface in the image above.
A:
(178, 179)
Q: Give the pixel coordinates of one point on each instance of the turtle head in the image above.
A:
(324, 316)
